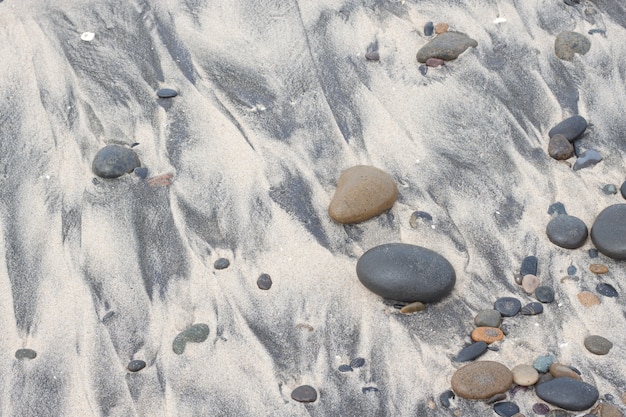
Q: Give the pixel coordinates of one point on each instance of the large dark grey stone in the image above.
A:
(113, 161)
(608, 232)
(568, 232)
(568, 393)
(447, 46)
(398, 271)
(571, 128)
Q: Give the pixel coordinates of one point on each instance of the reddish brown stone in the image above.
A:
(588, 299)
(598, 269)
(481, 380)
(487, 334)
(434, 62)
(560, 148)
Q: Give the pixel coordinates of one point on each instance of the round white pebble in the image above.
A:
(87, 36)
(524, 375)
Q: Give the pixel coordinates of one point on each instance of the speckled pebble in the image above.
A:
(471, 352)
(542, 363)
(606, 290)
(568, 43)
(598, 269)
(571, 270)
(567, 232)
(487, 334)
(507, 306)
(481, 380)
(441, 27)
(166, 93)
(598, 344)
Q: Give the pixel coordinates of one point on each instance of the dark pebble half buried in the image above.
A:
(471, 352)
(531, 309)
(529, 266)
(264, 282)
(357, 362)
(506, 409)
(444, 398)
(508, 306)
(113, 161)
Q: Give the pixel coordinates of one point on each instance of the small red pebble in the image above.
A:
(163, 180)
(434, 62)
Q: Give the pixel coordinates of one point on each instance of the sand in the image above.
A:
(275, 100)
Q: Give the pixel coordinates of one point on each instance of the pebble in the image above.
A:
(588, 299)
(598, 345)
(544, 294)
(593, 253)
(481, 380)
(447, 46)
(87, 36)
(25, 354)
(221, 263)
(608, 232)
(141, 172)
(518, 278)
(530, 283)
(403, 272)
(560, 148)
(429, 28)
(542, 363)
(357, 362)
(532, 309)
(544, 378)
(609, 189)
(372, 56)
(264, 282)
(471, 352)
(488, 318)
(136, 365)
(441, 28)
(487, 334)
(495, 398)
(434, 62)
(412, 308)
(345, 368)
(196, 333)
(365, 390)
(568, 394)
(571, 128)
(506, 409)
(525, 375)
(607, 290)
(622, 189)
(113, 161)
(587, 159)
(567, 44)
(571, 270)
(362, 192)
(423, 69)
(417, 215)
(529, 266)
(559, 370)
(166, 93)
(558, 413)
(507, 306)
(567, 232)
(304, 394)
(598, 269)
(541, 409)
(557, 208)
(609, 410)
(445, 398)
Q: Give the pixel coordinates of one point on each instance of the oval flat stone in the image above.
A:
(525, 375)
(372, 56)
(304, 394)
(221, 263)
(403, 272)
(113, 161)
(488, 318)
(441, 28)
(508, 306)
(567, 232)
(560, 148)
(568, 394)
(25, 354)
(345, 368)
(567, 44)
(608, 232)
(532, 309)
(541, 409)
(471, 352)
(607, 290)
(544, 294)
(530, 283)
(542, 363)
(481, 380)
(362, 193)
(598, 344)
(529, 266)
(166, 93)
(506, 409)
(598, 269)
(487, 334)
(412, 308)
(559, 370)
(447, 46)
(264, 282)
(587, 159)
(429, 28)
(136, 365)
(588, 299)
(357, 362)
(571, 128)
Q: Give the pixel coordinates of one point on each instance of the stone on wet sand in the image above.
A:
(441, 28)
(481, 380)
(403, 272)
(488, 318)
(304, 394)
(598, 345)
(221, 263)
(447, 46)
(608, 232)
(571, 128)
(567, 232)
(587, 159)
(560, 148)
(196, 333)
(362, 193)
(568, 43)
(113, 161)
(568, 393)
(525, 375)
(507, 306)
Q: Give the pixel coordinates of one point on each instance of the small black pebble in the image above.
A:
(429, 28)
(544, 294)
(557, 208)
(372, 56)
(609, 398)
(531, 309)
(357, 362)
(607, 290)
(221, 263)
(134, 144)
(108, 316)
(541, 409)
(573, 368)
(571, 270)
(136, 365)
(518, 279)
(365, 390)
(423, 70)
(445, 397)
(95, 181)
(141, 172)
(506, 409)
(345, 368)
(264, 282)
(166, 93)
(592, 31)
(593, 253)
(529, 266)
(25, 354)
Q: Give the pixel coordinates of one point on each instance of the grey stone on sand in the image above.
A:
(471, 352)
(221, 263)
(403, 272)
(304, 394)
(587, 159)
(113, 161)
(166, 93)
(264, 282)
(622, 190)
(542, 363)
(136, 365)
(608, 232)
(566, 231)
(447, 46)
(544, 294)
(488, 318)
(529, 266)
(567, 393)
(571, 128)
(25, 354)
(606, 290)
(609, 189)
(196, 333)
(507, 306)
(598, 344)
(506, 409)
(567, 44)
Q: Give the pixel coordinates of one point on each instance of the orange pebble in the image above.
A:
(487, 334)
(598, 269)
(588, 299)
(441, 28)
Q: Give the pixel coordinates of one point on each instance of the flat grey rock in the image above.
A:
(568, 393)
(446, 46)
(566, 231)
(587, 159)
(608, 232)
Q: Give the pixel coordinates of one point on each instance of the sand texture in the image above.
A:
(275, 100)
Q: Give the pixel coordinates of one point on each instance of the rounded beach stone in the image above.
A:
(569, 43)
(598, 269)
(530, 283)
(481, 380)
(567, 232)
(403, 272)
(441, 28)
(488, 318)
(136, 365)
(506, 409)
(508, 306)
(568, 393)
(541, 409)
(362, 193)
(588, 299)
(587, 159)
(529, 266)
(372, 56)
(304, 394)
(558, 370)
(560, 148)
(447, 46)
(345, 368)
(608, 232)
(166, 93)
(264, 282)
(471, 352)
(487, 334)
(25, 354)
(434, 62)
(544, 294)
(598, 344)
(221, 263)
(417, 215)
(571, 128)
(525, 375)
(622, 189)
(532, 309)
(429, 28)
(542, 363)
(606, 289)
(357, 362)
(113, 161)
(141, 172)
(609, 189)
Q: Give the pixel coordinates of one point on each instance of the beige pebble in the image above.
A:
(525, 375)
(441, 28)
(432, 405)
(558, 369)
(598, 269)
(487, 334)
(609, 410)
(588, 299)
(530, 283)
(457, 413)
(412, 308)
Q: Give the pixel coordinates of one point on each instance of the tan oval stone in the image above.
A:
(558, 369)
(588, 299)
(487, 334)
(441, 28)
(525, 375)
(481, 380)
(598, 269)
(609, 410)
(530, 283)
(412, 308)
(362, 193)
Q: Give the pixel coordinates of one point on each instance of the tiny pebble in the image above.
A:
(372, 56)
(557, 208)
(141, 172)
(221, 263)
(609, 189)
(598, 269)
(25, 354)
(542, 363)
(136, 365)
(541, 409)
(357, 362)
(607, 290)
(609, 397)
(87, 36)
(530, 283)
(507, 306)
(571, 270)
(445, 397)
(412, 308)
(423, 69)
(365, 390)
(264, 282)
(429, 28)
(593, 253)
(166, 93)
(345, 368)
